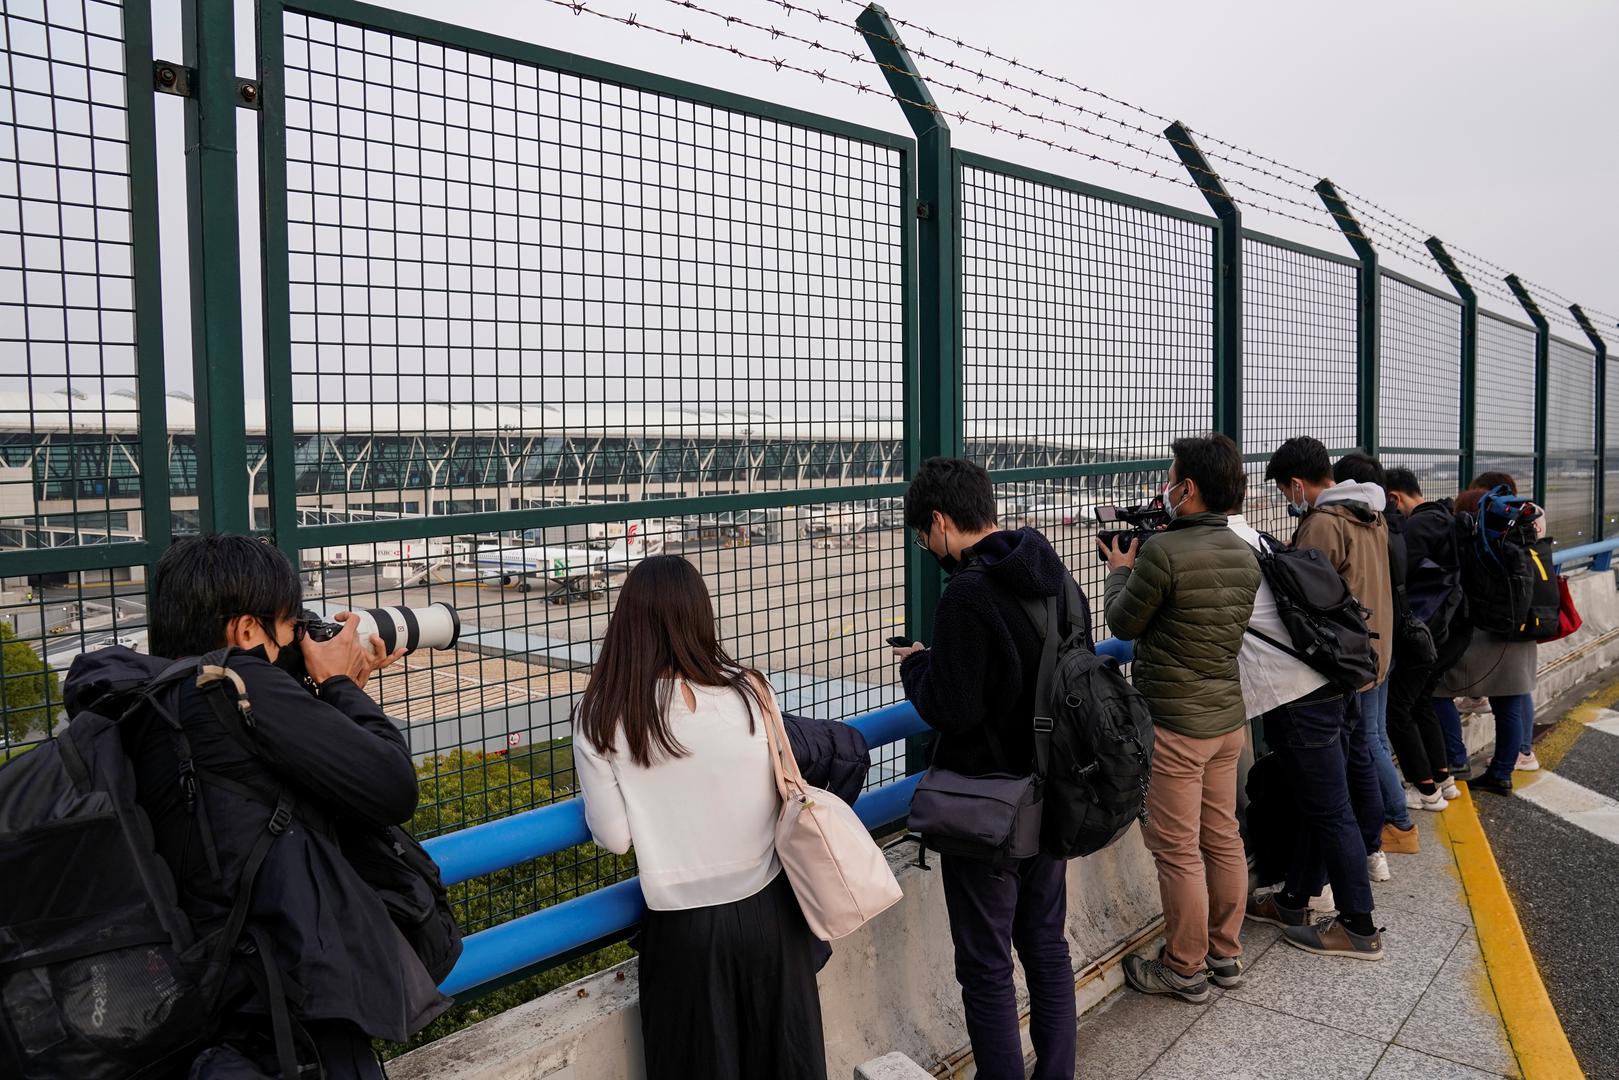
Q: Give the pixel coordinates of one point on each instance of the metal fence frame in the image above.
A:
(932, 352)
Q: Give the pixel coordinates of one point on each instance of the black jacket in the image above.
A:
(346, 765)
(831, 755)
(975, 685)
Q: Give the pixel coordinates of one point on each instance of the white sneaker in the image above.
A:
(1450, 791)
(1527, 763)
(1416, 800)
(1377, 867)
(1323, 904)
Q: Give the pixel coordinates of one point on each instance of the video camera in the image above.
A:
(1141, 520)
(435, 626)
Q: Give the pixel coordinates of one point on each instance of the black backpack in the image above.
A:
(1497, 567)
(1093, 736)
(1326, 623)
(1545, 595)
(103, 976)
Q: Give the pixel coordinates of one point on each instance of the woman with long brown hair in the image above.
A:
(671, 752)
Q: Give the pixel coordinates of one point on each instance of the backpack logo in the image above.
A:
(98, 994)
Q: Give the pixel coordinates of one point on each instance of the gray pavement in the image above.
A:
(1562, 879)
(1427, 1010)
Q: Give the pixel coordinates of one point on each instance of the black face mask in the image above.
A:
(948, 563)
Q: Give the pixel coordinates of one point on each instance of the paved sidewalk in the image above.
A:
(1426, 1011)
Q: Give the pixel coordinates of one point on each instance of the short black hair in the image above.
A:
(958, 489)
(1402, 480)
(1359, 466)
(1488, 481)
(1300, 458)
(203, 582)
(1214, 464)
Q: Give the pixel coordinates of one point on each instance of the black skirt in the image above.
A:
(728, 991)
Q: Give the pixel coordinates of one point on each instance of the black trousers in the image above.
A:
(1419, 742)
(247, 1052)
(728, 992)
(993, 907)
(1312, 738)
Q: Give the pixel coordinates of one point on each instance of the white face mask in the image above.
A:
(1172, 508)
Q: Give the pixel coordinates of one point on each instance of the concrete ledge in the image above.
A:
(895, 1066)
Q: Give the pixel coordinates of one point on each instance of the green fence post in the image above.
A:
(1469, 403)
(1601, 348)
(1543, 345)
(145, 246)
(933, 418)
(1227, 281)
(1367, 325)
(209, 33)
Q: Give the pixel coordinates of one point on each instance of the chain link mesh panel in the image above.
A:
(1420, 391)
(1086, 328)
(1086, 339)
(70, 454)
(516, 288)
(1571, 460)
(512, 284)
(1610, 495)
(1298, 361)
(1504, 424)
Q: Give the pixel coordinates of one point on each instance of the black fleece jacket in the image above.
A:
(975, 685)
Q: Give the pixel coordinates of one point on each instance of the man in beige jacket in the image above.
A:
(1345, 523)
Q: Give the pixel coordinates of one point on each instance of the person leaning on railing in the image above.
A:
(672, 756)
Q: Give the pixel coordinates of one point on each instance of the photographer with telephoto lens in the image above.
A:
(320, 967)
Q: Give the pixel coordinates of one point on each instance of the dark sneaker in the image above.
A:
(1152, 977)
(1330, 937)
(1267, 908)
(1491, 784)
(1227, 974)
(1462, 771)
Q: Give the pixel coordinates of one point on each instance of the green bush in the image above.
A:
(30, 692)
(464, 788)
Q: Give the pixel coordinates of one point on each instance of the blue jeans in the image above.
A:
(1514, 721)
(1514, 728)
(1374, 711)
(1312, 737)
(1450, 722)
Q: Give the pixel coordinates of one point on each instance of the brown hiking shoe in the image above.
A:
(1397, 841)
(1264, 907)
(1330, 937)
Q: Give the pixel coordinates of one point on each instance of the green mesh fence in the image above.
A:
(1504, 424)
(1571, 451)
(1419, 385)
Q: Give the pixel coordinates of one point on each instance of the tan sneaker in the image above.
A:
(1264, 907)
(1329, 937)
(1397, 841)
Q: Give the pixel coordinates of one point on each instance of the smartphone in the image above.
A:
(901, 642)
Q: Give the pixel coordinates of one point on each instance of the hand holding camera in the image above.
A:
(1119, 546)
(346, 653)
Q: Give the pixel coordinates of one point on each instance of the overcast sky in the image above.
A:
(1486, 123)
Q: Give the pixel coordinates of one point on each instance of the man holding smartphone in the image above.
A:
(976, 687)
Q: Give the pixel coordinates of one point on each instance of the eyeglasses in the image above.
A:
(920, 540)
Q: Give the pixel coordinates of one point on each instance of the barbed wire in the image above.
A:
(1392, 223)
(824, 75)
(1377, 225)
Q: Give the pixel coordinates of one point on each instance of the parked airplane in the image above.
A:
(566, 572)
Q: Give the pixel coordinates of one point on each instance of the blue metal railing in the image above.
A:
(529, 941)
(1597, 556)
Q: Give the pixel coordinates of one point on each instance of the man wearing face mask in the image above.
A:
(347, 974)
(1185, 599)
(975, 687)
(1345, 522)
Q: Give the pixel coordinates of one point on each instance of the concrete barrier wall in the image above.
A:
(891, 986)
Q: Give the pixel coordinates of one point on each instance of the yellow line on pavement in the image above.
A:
(1536, 1034)
(1552, 746)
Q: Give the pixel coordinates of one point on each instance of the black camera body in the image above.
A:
(435, 626)
(1140, 522)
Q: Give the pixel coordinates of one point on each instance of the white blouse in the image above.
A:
(703, 825)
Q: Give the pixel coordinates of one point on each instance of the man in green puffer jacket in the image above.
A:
(1185, 600)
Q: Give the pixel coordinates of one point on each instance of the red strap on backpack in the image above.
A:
(1568, 617)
